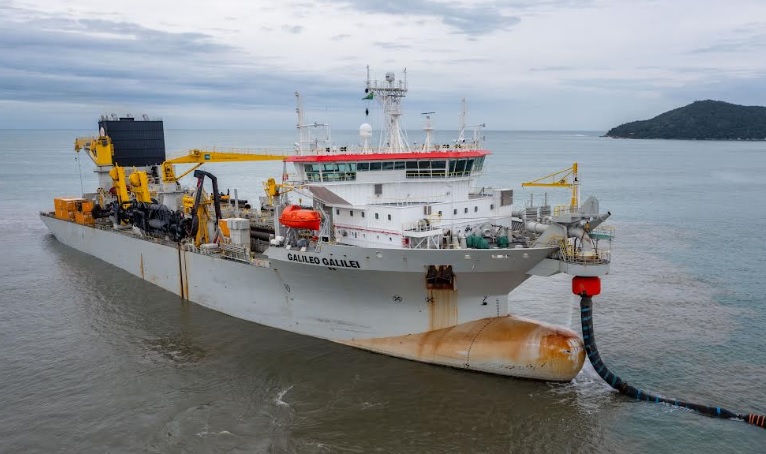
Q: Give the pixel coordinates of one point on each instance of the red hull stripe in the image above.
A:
(361, 157)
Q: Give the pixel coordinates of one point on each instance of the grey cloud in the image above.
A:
(744, 39)
(744, 90)
(46, 58)
(294, 29)
(552, 68)
(385, 45)
(472, 20)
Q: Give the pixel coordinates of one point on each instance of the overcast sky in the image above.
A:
(521, 64)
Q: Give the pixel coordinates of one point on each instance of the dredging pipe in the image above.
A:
(588, 287)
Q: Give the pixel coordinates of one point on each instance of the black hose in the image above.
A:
(589, 338)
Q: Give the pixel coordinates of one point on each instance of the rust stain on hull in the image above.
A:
(506, 345)
(442, 309)
(185, 275)
(142, 267)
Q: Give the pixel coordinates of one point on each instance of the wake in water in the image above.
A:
(280, 395)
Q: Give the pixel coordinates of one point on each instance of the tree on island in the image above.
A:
(700, 120)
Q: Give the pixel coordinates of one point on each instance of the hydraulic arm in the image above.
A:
(199, 157)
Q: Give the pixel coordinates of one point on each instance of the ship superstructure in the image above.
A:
(397, 251)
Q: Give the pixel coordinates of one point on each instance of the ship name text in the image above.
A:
(334, 263)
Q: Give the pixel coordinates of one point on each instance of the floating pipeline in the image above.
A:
(587, 287)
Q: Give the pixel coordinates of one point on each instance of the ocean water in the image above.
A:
(93, 359)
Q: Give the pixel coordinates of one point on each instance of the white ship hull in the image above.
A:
(367, 298)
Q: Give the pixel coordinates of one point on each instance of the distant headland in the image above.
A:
(700, 120)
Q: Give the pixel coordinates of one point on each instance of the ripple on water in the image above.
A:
(178, 349)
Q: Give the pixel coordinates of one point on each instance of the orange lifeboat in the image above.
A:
(300, 218)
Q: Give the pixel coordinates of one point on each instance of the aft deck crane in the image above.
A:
(566, 178)
(101, 150)
(199, 157)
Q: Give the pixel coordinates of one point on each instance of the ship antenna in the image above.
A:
(461, 135)
(429, 130)
(389, 94)
(301, 127)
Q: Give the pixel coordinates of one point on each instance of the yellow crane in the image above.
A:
(566, 178)
(199, 157)
(100, 150)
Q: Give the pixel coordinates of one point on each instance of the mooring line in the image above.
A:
(589, 338)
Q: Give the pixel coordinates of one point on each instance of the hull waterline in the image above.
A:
(457, 329)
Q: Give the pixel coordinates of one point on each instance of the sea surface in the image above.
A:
(93, 359)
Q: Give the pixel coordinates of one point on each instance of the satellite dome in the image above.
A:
(365, 130)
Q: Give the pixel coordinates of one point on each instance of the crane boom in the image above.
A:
(566, 178)
(199, 157)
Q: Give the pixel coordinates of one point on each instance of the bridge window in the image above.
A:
(312, 172)
(463, 167)
(426, 169)
(330, 172)
(438, 169)
(479, 164)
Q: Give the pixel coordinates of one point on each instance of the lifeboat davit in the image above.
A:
(300, 218)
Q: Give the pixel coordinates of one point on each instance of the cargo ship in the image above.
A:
(391, 247)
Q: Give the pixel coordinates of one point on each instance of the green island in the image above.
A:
(700, 120)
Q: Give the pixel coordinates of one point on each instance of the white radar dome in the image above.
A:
(365, 130)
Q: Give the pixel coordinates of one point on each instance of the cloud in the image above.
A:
(470, 19)
(385, 45)
(294, 29)
(52, 58)
(521, 64)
